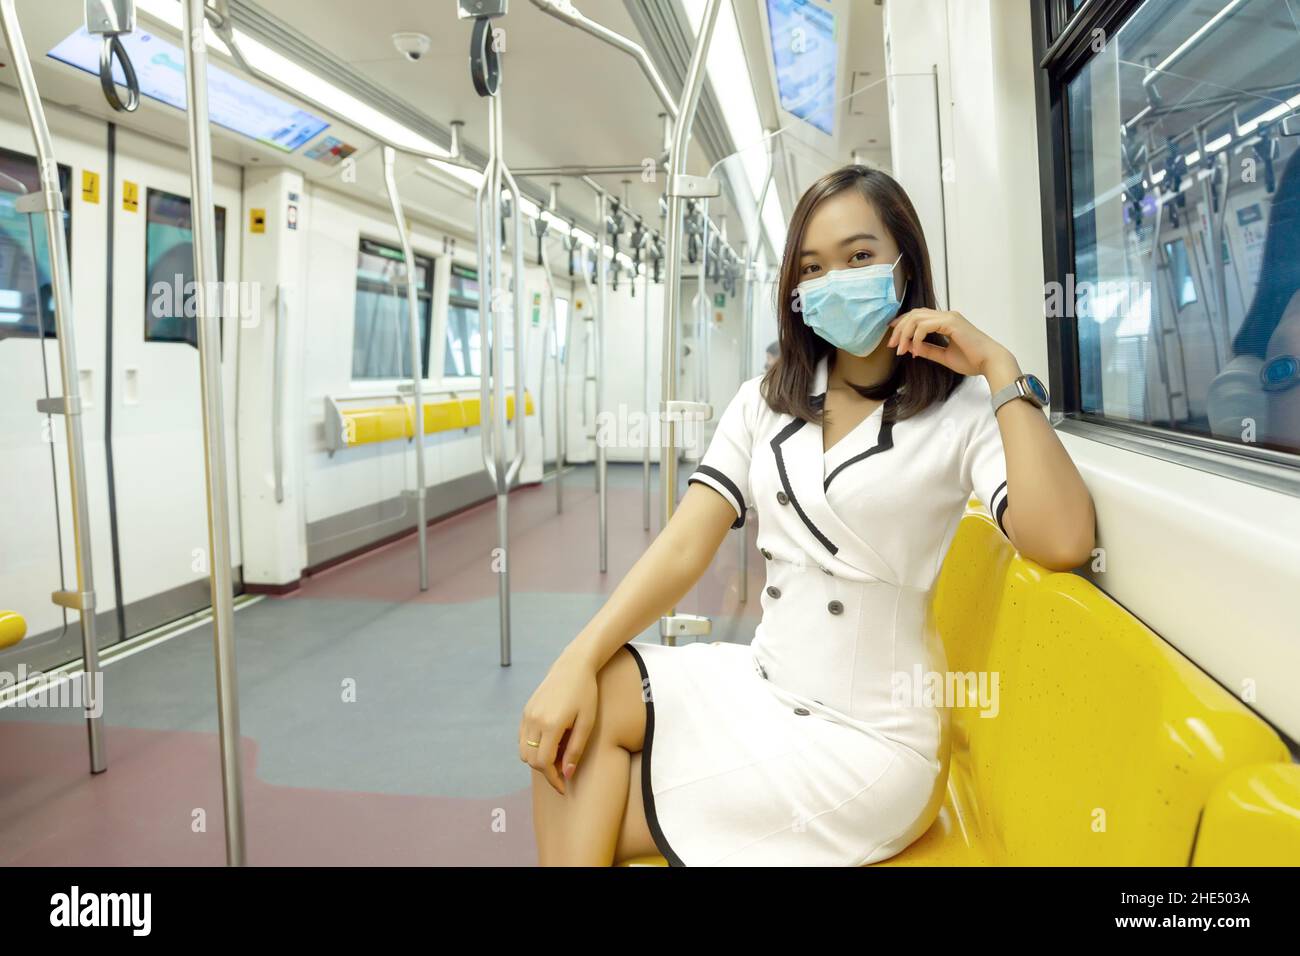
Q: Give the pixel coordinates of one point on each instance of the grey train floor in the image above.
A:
(377, 724)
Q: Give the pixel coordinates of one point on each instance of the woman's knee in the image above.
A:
(620, 708)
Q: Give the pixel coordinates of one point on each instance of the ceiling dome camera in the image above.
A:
(413, 46)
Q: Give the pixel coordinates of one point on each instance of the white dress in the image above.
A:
(814, 744)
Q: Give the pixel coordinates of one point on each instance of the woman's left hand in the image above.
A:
(969, 351)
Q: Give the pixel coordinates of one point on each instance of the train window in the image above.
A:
(26, 312)
(461, 356)
(1180, 272)
(169, 268)
(380, 334)
(1184, 224)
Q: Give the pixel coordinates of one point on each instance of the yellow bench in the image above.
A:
(1252, 817)
(1107, 745)
(13, 628)
(348, 426)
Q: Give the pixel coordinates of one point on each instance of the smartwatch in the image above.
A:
(1028, 387)
(1280, 373)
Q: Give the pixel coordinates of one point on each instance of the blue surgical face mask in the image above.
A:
(851, 308)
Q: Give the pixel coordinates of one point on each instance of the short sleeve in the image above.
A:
(725, 465)
(984, 464)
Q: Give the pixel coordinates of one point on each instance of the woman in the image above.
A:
(859, 450)
(1260, 386)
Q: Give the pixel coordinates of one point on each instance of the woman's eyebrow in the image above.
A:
(844, 242)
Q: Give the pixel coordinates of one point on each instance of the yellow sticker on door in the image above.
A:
(257, 220)
(130, 196)
(89, 186)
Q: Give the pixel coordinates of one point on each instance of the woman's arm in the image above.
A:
(565, 702)
(1049, 516)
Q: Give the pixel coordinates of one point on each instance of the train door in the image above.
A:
(36, 555)
(157, 424)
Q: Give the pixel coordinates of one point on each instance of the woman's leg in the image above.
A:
(587, 826)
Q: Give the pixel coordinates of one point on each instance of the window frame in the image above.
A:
(423, 293)
(65, 187)
(1061, 56)
(221, 216)
(454, 301)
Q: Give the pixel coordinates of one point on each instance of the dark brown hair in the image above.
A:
(919, 382)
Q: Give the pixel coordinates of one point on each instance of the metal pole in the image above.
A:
(702, 311)
(564, 10)
(214, 431)
(576, 170)
(669, 629)
(497, 408)
(645, 398)
(554, 329)
(598, 329)
(49, 200)
(747, 348)
(417, 363)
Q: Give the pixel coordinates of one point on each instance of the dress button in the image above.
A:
(773, 592)
(835, 607)
(802, 711)
(782, 498)
(766, 553)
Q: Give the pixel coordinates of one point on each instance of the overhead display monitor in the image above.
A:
(805, 57)
(233, 103)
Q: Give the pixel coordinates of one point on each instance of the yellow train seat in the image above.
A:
(13, 628)
(1252, 819)
(1107, 744)
(354, 425)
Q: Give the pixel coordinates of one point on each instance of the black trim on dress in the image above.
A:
(884, 442)
(1000, 508)
(647, 794)
(727, 483)
(780, 437)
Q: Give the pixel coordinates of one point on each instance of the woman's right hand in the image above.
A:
(557, 720)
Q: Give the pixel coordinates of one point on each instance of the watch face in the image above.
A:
(1037, 389)
(1279, 373)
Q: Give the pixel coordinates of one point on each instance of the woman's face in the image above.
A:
(844, 232)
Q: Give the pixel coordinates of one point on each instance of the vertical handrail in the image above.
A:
(598, 328)
(277, 388)
(496, 411)
(417, 358)
(747, 347)
(553, 329)
(481, 222)
(49, 200)
(214, 431)
(519, 282)
(702, 312)
(672, 288)
(645, 400)
(492, 402)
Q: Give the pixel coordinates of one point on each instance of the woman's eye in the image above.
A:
(810, 269)
(861, 256)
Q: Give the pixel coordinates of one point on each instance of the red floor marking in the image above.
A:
(140, 812)
(549, 553)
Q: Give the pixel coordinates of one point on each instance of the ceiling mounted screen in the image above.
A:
(805, 56)
(233, 103)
